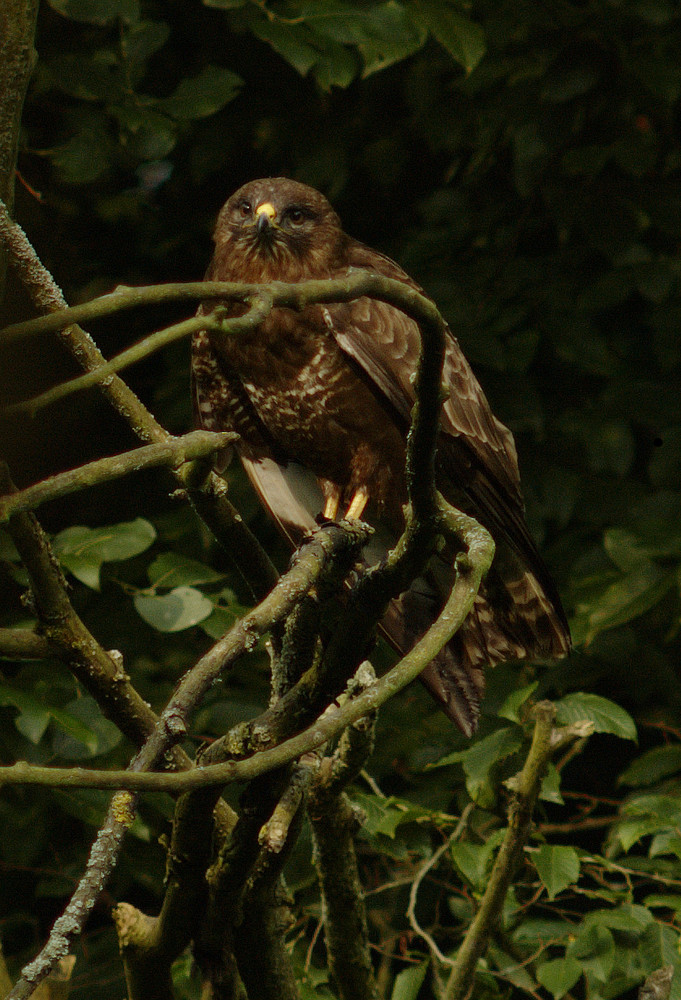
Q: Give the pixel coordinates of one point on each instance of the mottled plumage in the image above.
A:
(328, 391)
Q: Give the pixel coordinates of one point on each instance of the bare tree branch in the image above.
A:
(336, 718)
(23, 644)
(17, 62)
(175, 452)
(70, 924)
(334, 823)
(209, 494)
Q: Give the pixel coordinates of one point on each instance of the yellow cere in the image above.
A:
(267, 208)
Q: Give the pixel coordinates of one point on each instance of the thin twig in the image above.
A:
(432, 861)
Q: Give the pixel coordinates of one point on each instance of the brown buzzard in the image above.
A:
(322, 399)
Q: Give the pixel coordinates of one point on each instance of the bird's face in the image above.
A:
(277, 224)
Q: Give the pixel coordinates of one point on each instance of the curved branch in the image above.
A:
(175, 452)
(471, 568)
(295, 295)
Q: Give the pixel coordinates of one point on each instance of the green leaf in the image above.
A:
(173, 612)
(147, 135)
(629, 917)
(653, 766)
(143, 39)
(628, 598)
(408, 982)
(83, 731)
(95, 78)
(33, 718)
(668, 902)
(479, 759)
(605, 715)
(463, 39)
(83, 550)
(511, 705)
(474, 860)
(97, 11)
(625, 549)
(594, 947)
(87, 154)
(550, 786)
(557, 867)
(385, 815)
(292, 43)
(559, 975)
(170, 569)
(202, 95)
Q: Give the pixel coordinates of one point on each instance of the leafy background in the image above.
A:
(522, 161)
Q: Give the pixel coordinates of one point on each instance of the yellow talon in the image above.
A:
(357, 505)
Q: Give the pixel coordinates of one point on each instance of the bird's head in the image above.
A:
(281, 228)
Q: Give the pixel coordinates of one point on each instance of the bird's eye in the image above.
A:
(245, 209)
(296, 216)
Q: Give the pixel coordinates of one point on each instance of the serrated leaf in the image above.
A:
(408, 982)
(668, 842)
(388, 35)
(170, 569)
(557, 867)
(605, 715)
(385, 815)
(559, 975)
(511, 969)
(83, 550)
(175, 611)
(202, 95)
(550, 786)
(653, 766)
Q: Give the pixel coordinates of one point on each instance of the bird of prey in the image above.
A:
(321, 399)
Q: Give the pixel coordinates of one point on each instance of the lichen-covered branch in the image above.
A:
(334, 823)
(17, 62)
(70, 924)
